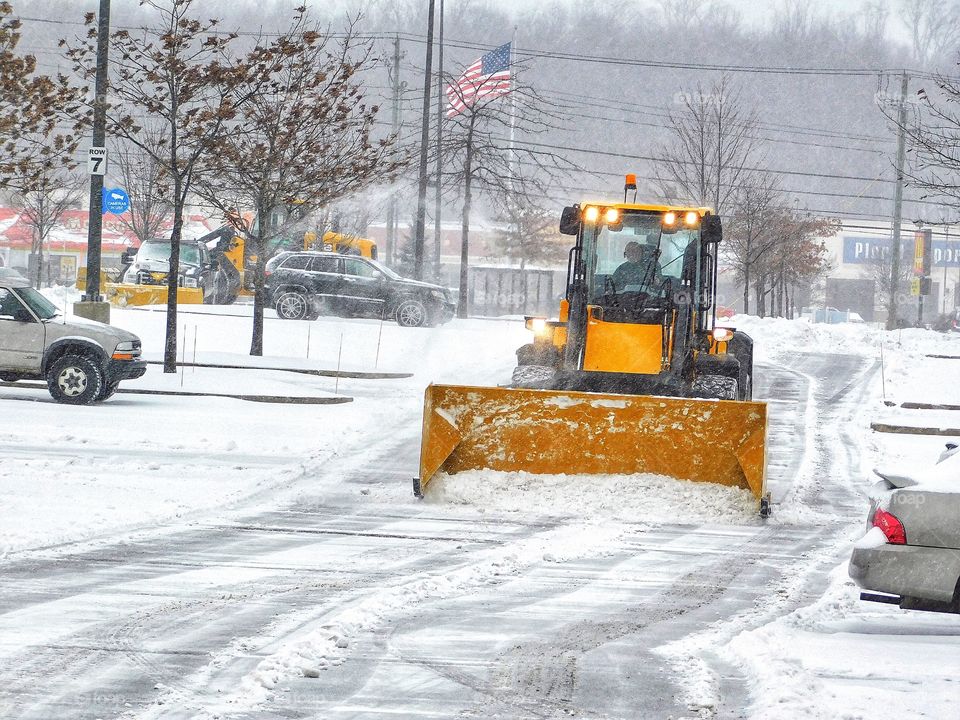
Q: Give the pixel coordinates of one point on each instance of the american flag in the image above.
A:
(489, 76)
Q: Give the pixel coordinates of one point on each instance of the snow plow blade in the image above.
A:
(123, 295)
(576, 433)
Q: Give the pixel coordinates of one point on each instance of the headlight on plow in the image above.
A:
(537, 325)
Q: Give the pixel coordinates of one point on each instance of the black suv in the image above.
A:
(304, 285)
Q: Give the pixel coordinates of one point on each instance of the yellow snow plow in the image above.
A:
(549, 432)
(634, 375)
(128, 294)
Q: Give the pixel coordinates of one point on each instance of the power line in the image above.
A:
(651, 158)
(560, 55)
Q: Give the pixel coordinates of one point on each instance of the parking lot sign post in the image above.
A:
(92, 305)
(97, 161)
(922, 259)
(115, 200)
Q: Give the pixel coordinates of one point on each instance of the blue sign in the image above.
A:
(863, 250)
(115, 201)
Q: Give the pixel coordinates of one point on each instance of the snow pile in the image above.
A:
(641, 497)
(941, 477)
(775, 337)
(911, 375)
(840, 657)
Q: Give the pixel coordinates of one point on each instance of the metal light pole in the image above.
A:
(418, 235)
(437, 200)
(944, 256)
(92, 305)
(393, 256)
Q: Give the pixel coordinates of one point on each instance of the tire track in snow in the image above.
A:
(829, 410)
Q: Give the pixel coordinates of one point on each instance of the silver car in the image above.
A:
(910, 555)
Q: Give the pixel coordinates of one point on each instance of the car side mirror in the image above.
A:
(570, 220)
(377, 275)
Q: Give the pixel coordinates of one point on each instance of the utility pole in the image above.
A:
(437, 208)
(897, 207)
(944, 256)
(92, 305)
(418, 233)
(392, 255)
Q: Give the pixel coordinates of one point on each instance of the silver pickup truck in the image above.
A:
(81, 361)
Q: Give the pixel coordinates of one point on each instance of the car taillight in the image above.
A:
(891, 527)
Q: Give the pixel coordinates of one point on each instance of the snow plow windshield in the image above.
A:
(637, 255)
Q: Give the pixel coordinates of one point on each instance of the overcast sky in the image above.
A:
(753, 11)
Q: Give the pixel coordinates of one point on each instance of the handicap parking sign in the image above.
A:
(115, 201)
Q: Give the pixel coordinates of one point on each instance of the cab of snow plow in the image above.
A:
(632, 376)
(638, 315)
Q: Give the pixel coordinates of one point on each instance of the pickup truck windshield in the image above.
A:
(42, 308)
(160, 250)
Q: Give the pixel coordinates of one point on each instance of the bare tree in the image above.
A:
(42, 200)
(712, 147)
(479, 151)
(30, 108)
(880, 270)
(874, 17)
(143, 179)
(797, 258)
(531, 233)
(795, 20)
(932, 25)
(749, 234)
(932, 131)
(302, 142)
(178, 87)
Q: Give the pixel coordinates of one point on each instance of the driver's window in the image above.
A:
(611, 247)
(678, 252)
(11, 309)
(358, 267)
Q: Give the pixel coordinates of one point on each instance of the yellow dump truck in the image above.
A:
(340, 243)
(633, 375)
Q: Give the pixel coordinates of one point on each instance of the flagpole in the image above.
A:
(418, 234)
(513, 111)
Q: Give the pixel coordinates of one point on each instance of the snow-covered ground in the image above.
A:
(60, 476)
(141, 466)
(839, 657)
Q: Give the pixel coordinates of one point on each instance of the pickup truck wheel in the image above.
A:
(75, 380)
(293, 305)
(107, 391)
(411, 313)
